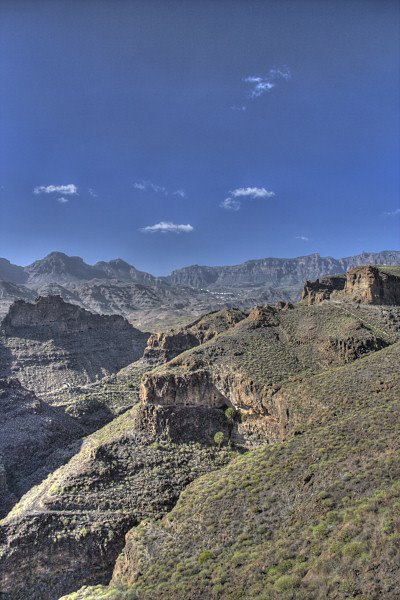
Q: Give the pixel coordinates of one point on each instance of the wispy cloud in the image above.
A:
(240, 108)
(303, 238)
(167, 227)
(230, 204)
(392, 213)
(180, 193)
(92, 193)
(260, 84)
(149, 185)
(62, 200)
(252, 192)
(68, 190)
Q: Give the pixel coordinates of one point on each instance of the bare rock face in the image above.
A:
(246, 366)
(366, 285)
(374, 285)
(50, 314)
(276, 271)
(52, 344)
(321, 289)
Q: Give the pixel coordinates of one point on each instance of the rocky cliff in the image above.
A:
(159, 303)
(374, 285)
(368, 285)
(52, 344)
(321, 289)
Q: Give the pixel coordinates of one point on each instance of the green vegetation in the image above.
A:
(219, 439)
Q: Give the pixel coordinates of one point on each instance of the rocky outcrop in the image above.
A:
(246, 367)
(321, 289)
(54, 317)
(9, 292)
(367, 285)
(373, 285)
(162, 347)
(52, 344)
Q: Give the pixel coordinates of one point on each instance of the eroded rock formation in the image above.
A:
(52, 344)
(367, 285)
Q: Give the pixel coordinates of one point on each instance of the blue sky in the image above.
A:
(172, 132)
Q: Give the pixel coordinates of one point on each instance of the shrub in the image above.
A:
(230, 414)
(205, 556)
(286, 583)
(219, 438)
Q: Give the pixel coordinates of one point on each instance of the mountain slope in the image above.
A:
(314, 517)
(267, 366)
(35, 438)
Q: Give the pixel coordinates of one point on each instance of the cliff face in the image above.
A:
(374, 285)
(52, 316)
(321, 289)
(51, 344)
(368, 285)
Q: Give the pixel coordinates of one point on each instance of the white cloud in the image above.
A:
(392, 213)
(149, 185)
(303, 238)
(252, 192)
(92, 193)
(69, 189)
(241, 108)
(62, 200)
(139, 186)
(180, 193)
(230, 204)
(260, 85)
(167, 227)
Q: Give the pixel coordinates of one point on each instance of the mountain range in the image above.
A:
(58, 267)
(151, 302)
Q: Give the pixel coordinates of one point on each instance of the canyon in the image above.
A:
(115, 482)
